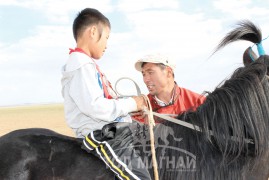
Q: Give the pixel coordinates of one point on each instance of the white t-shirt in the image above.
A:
(86, 108)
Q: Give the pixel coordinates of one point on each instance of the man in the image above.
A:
(165, 95)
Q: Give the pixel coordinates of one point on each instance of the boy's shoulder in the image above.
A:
(77, 60)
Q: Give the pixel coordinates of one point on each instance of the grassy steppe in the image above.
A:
(49, 116)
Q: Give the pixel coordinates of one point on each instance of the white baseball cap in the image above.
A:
(155, 58)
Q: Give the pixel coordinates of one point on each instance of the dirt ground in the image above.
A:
(49, 116)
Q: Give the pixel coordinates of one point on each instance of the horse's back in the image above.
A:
(31, 131)
(45, 154)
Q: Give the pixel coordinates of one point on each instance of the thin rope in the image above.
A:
(138, 91)
(151, 123)
(265, 38)
(259, 48)
(261, 41)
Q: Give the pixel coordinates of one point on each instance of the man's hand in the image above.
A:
(139, 116)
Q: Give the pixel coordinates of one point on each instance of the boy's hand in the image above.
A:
(140, 102)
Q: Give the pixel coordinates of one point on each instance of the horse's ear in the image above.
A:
(249, 56)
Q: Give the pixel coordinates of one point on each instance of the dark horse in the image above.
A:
(233, 141)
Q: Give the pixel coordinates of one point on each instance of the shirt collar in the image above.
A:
(161, 103)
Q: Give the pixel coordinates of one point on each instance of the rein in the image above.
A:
(191, 126)
(167, 117)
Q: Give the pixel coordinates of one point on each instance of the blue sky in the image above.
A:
(35, 37)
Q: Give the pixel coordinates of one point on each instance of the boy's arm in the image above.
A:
(89, 97)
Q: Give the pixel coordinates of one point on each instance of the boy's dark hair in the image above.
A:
(87, 17)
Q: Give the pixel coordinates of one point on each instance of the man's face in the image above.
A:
(155, 78)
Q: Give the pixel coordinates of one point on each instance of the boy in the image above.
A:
(90, 102)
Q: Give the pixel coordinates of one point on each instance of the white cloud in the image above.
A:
(189, 38)
(170, 32)
(35, 62)
(228, 5)
(58, 11)
(241, 9)
(140, 5)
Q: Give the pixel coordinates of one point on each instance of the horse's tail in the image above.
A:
(248, 31)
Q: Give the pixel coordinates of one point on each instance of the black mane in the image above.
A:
(234, 121)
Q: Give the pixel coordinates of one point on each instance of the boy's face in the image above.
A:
(100, 43)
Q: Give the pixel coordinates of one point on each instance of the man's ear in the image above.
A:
(169, 70)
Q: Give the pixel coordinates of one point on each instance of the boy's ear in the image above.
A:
(92, 31)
